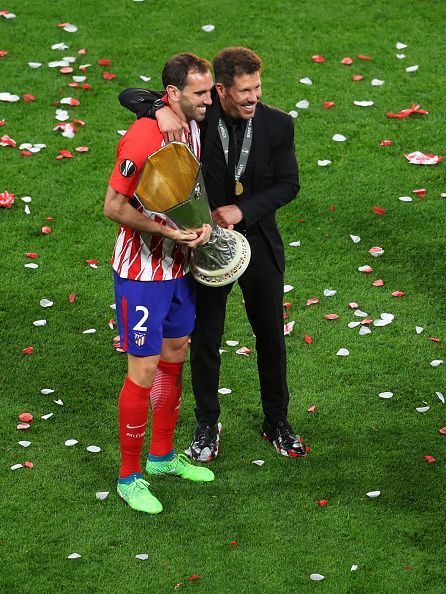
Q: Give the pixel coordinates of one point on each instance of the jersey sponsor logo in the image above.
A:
(127, 168)
(140, 339)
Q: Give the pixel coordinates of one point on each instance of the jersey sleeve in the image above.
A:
(141, 140)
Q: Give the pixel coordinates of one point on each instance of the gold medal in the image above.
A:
(238, 188)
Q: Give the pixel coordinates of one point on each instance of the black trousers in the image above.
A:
(262, 287)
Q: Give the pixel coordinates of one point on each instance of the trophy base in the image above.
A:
(232, 271)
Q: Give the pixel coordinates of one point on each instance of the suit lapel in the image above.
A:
(259, 142)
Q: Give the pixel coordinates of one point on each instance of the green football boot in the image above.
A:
(138, 496)
(180, 466)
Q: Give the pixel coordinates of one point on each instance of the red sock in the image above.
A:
(133, 409)
(165, 398)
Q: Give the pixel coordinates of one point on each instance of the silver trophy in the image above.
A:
(171, 183)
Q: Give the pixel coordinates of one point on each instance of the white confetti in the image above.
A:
(232, 342)
(26, 199)
(400, 45)
(9, 15)
(381, 323)
(287, 288)
(47, 416)
(365, 268)
(39, 323)
(440, 396)
(142, 556)
(101, 495)
(360, 314)
(436, 362)
(79, 79)
(387, 316)
(288, 328)
(316, 577)
(329, 292)
(69, 28)
(364, 330)
(145, 78)
(208, 28)
(46, 303)
(34, 64)
(419, 329)
(354, 567)
(364, 103)
(258, 462)
(323, 162)
(9, 98)
(74, 556)
(94, 449)
(59, 46)
(27, 211)
(25, 443)
(16, 466)
(422, 409)
(376, 251)
(59, 402)
(339, 138)
(355, 238)
(377, 83)
(71, 442)
(294, 244)
(293, 113)
(405, 198)
(306, 81)
(353, 324)
(31, 265)
(400, 56)
(225, 391)
(304, 104)
(89, 331)
(385, 395)
(373, 494)
(412, 68)
(46, 391)
(343, 352)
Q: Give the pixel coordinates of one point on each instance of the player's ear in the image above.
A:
(173, 93)
(220, 90)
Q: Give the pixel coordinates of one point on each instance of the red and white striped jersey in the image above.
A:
(137, 255)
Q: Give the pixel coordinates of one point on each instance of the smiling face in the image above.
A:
(240, 99)
(191, 102)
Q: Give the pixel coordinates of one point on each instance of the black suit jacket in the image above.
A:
(276, 177)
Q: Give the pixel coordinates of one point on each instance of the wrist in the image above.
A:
(157, 104)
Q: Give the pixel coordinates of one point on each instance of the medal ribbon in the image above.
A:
(246, 146)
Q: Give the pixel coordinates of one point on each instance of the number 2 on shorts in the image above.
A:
(139, 326)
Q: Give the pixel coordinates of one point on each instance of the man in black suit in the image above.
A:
(250, 170)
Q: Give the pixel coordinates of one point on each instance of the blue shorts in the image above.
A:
(147, 312)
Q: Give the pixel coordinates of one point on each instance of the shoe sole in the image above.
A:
(281, 451)
(210, 457)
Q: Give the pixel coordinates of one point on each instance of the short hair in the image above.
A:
(234, 61)
(177, 69)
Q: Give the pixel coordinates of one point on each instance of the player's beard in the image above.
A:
(190, 111)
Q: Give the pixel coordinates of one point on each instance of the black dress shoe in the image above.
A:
(283, 438)
(206, 443)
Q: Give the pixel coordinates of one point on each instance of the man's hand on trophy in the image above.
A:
(227, 216)
(170, 125)
(191, 238)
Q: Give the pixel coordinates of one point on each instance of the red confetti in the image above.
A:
(429, 459)
(408, 567)
(64, 154)
(92, 262)
(353, 305)
(72, 297)
(386, 143)
(82, 149)
(311, 409)
(74, 102)
(434, 339)
(46, 230)
(31, 255)
(378, 283)
(367, 322)
(6, 199)
(420, 193)
(347, 61)
(362, 57)
(66, 70)
(405, 113)
(2, 122)
(73, 85)
(234, 543)
(86, 87)
(23, 426)
(104, 62)
(28, 98)
(193, 577)
(318, 59)
(28, 350)
(331, 316)
(308, 339)
(108, 76)
(379, 211)
(6, 140)
(26, 153)
(331, 208)
(398, 294)
(82, 51)
(287, 305)
(312, 301)
(328, 104)
(26, 417)
(357, 77)
(3, 53)
(50, 218)
(79, 122)
(442, 430)
(323, 502)
(28, 464)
